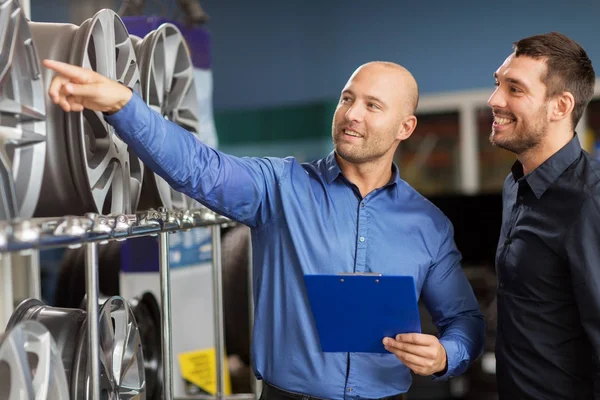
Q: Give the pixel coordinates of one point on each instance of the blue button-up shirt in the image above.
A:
(309, 219)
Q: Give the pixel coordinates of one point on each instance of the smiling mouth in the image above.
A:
(503, 121)
(352, 133)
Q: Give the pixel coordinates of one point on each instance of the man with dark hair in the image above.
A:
(348, 212)
(548, 256)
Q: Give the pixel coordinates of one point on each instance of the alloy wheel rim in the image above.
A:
(121, 355)
(30, 364)
(167, 80)
(22, 111)
(111, 177)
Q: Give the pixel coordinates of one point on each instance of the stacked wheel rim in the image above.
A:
(30, 364)
(88, 168)
(22, 115)
(121, 354)
(111, 178)
(167, 82)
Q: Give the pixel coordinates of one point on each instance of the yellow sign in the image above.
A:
(200, 368)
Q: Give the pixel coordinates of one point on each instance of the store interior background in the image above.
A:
(277, 59)
(279, 65)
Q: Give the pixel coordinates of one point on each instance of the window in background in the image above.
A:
(430, 159)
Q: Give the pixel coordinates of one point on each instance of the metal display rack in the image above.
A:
(92, 230)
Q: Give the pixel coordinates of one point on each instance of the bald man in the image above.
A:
(348, 212)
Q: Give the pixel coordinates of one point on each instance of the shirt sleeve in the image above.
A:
(243, 189)
(450, 300)
(582, 245)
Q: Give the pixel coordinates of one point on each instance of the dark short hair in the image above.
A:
(568, 67)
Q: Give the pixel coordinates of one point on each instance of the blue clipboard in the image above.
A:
(354, 312)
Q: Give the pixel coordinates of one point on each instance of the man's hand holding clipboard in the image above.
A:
(423, 354)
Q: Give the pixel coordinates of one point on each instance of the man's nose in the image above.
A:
(497, 99)
(355, 113)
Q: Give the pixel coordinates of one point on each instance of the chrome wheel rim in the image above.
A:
(54, 41)
(167, 77)
(22, 109)
(106, 173)
(30, 364)
(121, 355)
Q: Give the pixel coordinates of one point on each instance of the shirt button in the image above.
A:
(501, 284)
(507, 241)
(362, 205)
(521, 198)
(362, 239)
(349, 389)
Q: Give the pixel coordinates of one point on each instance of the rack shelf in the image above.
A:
(28, 235)
(45, 233)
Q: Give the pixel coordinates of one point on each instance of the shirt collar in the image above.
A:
(541, 178)
(332, 170)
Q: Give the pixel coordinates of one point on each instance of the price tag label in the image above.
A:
(200, 368)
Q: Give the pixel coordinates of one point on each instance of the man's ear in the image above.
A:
(563, 106)
(407, 127)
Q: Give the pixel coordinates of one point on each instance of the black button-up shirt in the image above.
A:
(548, 267)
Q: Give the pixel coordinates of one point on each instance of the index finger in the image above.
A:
(415, 338)
(72, 72)
(55, 88)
